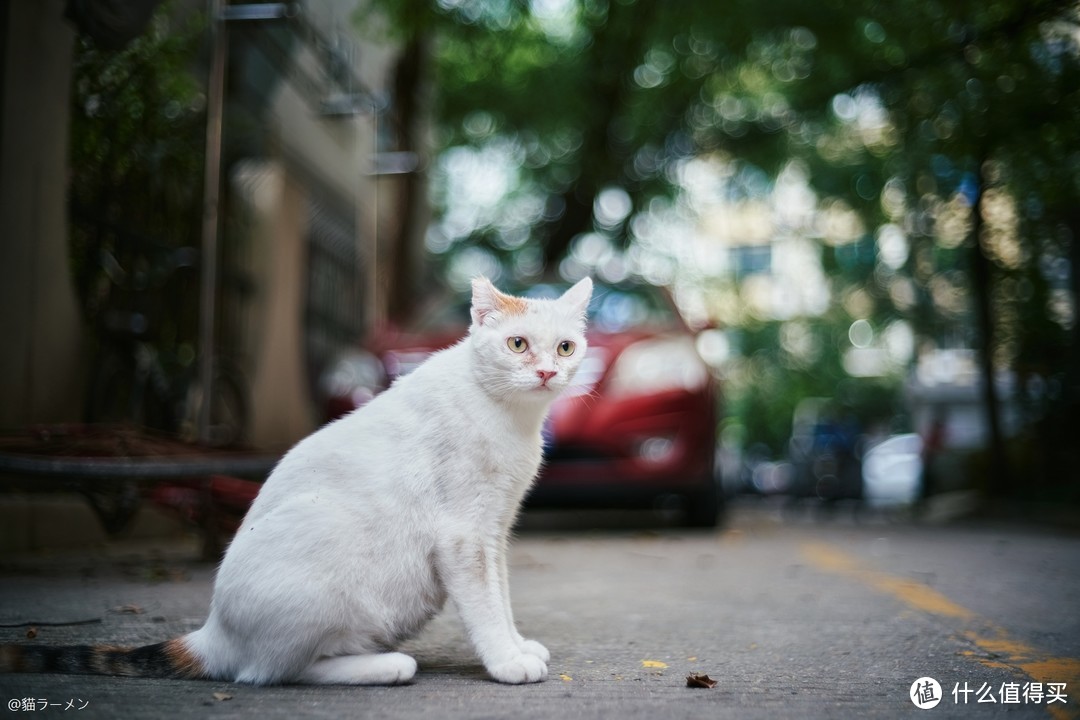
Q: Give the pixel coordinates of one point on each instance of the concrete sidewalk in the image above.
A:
(626, 614)
(143, 595)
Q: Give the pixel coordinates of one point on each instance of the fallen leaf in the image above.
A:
(692, 658)
(222, 696)
(565, 678)
(31, 633)
(696, 680)
(653, 664)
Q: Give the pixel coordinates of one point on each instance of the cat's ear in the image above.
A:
(577, 297)
(483, 300)
(488, 302)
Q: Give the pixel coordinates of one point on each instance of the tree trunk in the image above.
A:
(982, 284)
(1065, 454)
(622, 36)
(410, 122)
(576, 218)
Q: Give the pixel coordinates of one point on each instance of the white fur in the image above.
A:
(367, 526)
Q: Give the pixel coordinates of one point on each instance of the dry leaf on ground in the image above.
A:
(696, 680)
(128, 610)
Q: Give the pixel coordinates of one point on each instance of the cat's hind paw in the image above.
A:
(524, 668)
(383, 669)
(531, 647)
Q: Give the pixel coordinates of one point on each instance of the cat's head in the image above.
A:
(528, 347)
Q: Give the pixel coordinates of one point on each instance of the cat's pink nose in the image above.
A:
(545, 375)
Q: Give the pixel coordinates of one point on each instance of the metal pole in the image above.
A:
(215, 96)
(372, 310)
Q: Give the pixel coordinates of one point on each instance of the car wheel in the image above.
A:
(703, 508)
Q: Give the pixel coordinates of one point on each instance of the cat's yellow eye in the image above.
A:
(566, 348)
(517, 344)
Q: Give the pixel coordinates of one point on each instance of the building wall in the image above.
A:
(304, 163)
(41, 340)
(313, 163)
(281, 404)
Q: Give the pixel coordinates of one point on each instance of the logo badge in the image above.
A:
(925, 693)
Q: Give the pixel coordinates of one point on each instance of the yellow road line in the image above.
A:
(1001, 650)
(919, 596)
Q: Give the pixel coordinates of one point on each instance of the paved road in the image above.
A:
(800, 619)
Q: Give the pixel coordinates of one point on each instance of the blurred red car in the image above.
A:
(635, 429)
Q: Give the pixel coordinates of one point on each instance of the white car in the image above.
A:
(892, 472)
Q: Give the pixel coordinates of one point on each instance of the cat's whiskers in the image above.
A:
(589, 398)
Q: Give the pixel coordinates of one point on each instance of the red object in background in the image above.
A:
(230, 497)
(637, 427)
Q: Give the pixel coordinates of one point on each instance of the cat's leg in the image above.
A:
(470, 570)
(531, 647)
(381, 669)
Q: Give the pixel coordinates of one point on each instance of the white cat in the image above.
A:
(366, 527)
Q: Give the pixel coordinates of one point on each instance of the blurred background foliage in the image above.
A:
(837, 192)
(918, 161)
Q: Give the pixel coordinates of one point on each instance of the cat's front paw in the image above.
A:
(524, 668)
(531, 647)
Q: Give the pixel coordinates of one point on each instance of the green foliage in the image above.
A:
(137, 119)
(137, 141)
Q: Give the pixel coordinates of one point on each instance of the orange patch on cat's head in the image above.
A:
(487, 299)
(510, 305)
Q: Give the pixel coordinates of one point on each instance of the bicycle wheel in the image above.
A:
(112, 395)
(229, 409)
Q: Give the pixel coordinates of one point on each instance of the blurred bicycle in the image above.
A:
(141, 377)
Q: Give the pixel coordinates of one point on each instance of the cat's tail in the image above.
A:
(169, 659)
